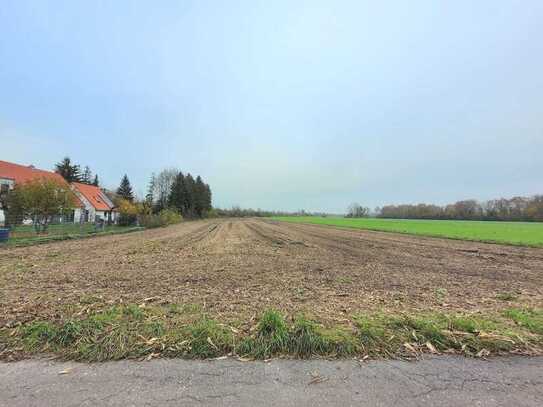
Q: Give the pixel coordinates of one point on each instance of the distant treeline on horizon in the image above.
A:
(519, 208)
(237, 212)
(528, 209)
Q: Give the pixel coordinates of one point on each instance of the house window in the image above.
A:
(4, 189)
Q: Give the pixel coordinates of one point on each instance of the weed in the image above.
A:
(208, 339)
(133, 311)
(192, 308)
(305, 340)
(88, 299)
(471, 324)
(441, 293)
(68, 333)
(506, 296)
(531, 319)
(423, 329)
(339, 342)
(299, 293)
(271, 337)
(130, 331)
(372, 333)
(38, 333)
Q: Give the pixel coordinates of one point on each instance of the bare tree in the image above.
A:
(162, 187)
(356, 210)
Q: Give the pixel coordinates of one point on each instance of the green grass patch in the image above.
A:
(530, 319)
(30, 240)
(384, 335)
(308, 339)
(207, 339)
(515, 233)
(271, 337)
(131, 331)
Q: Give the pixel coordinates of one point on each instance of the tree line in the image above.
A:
(72, 172)
(238, 212)
(513, 209)
(172, 195)
(172, 189)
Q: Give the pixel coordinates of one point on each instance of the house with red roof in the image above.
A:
(92, 204)
(11, 174)
(96, 204)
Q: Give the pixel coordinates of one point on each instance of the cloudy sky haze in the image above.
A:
(284, 104)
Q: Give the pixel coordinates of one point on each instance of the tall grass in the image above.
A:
(133, 332)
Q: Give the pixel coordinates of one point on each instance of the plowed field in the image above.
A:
(234, 269)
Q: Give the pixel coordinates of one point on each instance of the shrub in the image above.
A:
(164, 218)
(128, 212)
(169, 217)
(211, 213)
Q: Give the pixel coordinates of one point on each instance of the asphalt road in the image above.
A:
(439, 381)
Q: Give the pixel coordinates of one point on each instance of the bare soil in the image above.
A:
(234, 269)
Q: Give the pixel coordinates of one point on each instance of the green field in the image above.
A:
(516, 233)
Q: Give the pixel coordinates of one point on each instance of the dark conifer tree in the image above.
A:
(177, 196)
(149, 198)
(199, 197)
(86, 178)
(189, 196)
(125, 189)
(96, 182)
(208, 200)
(70, 172)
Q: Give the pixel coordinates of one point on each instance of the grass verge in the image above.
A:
(131, 331)
(30, 241)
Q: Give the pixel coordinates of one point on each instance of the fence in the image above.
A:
(23, 230)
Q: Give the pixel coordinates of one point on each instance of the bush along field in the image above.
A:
(514, 233)
(145, 332)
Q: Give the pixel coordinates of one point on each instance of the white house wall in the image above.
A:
(87, 206)
(78, 212)
(11, 184)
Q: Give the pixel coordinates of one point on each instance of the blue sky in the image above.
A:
(283, 104)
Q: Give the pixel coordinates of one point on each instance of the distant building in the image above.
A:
(12, 174)
(92, 204)
(96, 204)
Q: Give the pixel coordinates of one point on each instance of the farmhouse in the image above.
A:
(11, 174)
(92, 204)
(96, 204)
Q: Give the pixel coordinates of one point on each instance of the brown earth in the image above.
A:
(234, 269)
